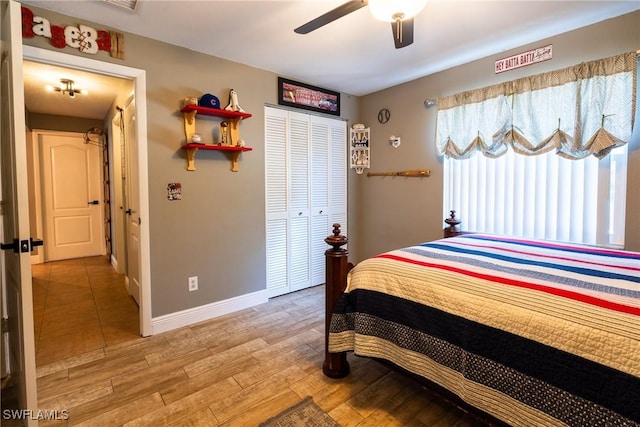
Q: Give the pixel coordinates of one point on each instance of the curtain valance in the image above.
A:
(577, 111)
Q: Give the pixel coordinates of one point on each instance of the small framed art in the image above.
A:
(308, 97)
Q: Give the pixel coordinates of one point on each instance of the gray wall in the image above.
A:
(61, 123)
(403, 211)
(217, 231)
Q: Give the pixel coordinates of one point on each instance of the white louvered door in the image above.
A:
(305, 179)
(276, 200)
(338, 176)
(320, 129)
(299, 201)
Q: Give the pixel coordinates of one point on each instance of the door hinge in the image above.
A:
(5, 325)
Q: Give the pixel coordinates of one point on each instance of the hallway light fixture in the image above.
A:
(68, 88)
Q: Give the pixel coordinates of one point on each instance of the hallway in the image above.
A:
(80, 305)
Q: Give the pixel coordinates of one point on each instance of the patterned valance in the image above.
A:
(577, 111)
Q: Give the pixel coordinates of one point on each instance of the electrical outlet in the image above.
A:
(193, 283)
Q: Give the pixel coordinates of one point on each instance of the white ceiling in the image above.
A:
(101, 91)
(354, 54)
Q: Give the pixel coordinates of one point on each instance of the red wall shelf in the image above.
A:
(226, 114)
(233, 150)
(234, 117)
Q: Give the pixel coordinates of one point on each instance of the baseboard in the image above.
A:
(190, 316)
(114, 262)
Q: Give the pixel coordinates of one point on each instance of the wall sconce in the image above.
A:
(394, 141)
(68, 88)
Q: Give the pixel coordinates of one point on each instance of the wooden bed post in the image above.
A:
(335, 364)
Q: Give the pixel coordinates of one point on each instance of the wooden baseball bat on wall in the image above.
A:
(410, 173)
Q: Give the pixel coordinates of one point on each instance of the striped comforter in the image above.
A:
(531, 332)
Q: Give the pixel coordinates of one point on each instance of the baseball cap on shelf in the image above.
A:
(210, 101)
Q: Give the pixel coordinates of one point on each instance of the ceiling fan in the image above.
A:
(399, 12)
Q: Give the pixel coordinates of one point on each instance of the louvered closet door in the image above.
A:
(276, 200)
(320, 131)
(338, 175)
(299, 156)
(305, 164)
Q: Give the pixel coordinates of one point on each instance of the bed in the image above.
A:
(529, 332)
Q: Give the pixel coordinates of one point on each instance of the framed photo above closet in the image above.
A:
(307, 97)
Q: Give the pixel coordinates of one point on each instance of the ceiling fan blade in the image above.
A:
(402, 32)
(332, 15)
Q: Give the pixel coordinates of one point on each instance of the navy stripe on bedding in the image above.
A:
(612, 389)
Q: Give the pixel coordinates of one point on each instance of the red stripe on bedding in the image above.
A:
(538, 243)
(512, 282)
(539, 255)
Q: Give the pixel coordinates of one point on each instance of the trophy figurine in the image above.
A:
(224, 136)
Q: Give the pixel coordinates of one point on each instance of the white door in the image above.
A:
(15, 202)
(320, 129)
(132, 210)
(305, 192)
(276, 200)
(71, 175)
(338, 176)
(299, 221)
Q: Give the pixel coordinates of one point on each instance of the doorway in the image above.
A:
(80, 303)
(71, 195)
(140, 176)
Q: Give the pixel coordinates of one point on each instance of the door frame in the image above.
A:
(139, 82)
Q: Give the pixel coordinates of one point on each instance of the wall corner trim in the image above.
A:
(190, 316)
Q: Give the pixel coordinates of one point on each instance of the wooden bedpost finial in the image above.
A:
(452, 230)
(336, 268)
(336, 240)
(452, 220)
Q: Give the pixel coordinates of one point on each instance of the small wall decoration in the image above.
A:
(359, 153)
(523, 59)
(233, 104)
(174, 191)
(384, 115)
(84, 38)
(308, 97)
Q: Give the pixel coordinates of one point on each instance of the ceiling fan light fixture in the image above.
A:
(68, 88)
(394, 10)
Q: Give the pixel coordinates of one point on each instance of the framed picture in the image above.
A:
(308, 97)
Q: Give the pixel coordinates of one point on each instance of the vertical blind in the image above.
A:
(553, 153)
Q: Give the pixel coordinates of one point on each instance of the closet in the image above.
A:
(305, 193)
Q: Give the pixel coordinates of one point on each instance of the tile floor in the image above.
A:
(80, 305)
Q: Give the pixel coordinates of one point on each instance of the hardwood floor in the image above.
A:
(235, 370)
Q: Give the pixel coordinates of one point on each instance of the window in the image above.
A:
(554, 164)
